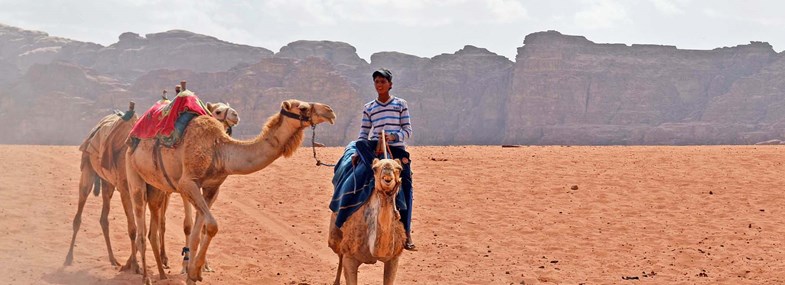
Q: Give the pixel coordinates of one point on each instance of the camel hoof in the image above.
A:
(194, 274)
(207, 268)
(114, 262)
(194, 280)
(68, 260)
(131, 267)
(147, 281)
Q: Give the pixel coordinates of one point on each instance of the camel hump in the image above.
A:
(107, 139)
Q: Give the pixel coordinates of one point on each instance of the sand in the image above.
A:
(483, 215)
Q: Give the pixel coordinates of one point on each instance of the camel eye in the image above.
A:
(219, 112)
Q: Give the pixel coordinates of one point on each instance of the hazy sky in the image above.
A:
(419, 27)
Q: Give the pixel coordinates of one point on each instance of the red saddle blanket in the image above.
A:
(160, 120)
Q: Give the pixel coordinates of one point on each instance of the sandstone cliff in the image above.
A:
(560, 89)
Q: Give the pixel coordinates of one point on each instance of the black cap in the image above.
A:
(383, 73)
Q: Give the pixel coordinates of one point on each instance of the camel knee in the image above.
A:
(77, 223)
(211, 228)
(132, 233)
(187, 229)
(142, 242)
(104, 220)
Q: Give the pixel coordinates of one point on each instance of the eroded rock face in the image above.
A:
(24, 48)
(341, 55)
(560, 89)
(569, 83)
(57, 103)
(134, 55)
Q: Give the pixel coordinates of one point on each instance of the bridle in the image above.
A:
(226, 113)
(303, 118)
(223, 120)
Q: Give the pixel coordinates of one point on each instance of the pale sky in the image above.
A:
(424, 28)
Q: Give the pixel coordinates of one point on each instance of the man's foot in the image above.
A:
(409, 245)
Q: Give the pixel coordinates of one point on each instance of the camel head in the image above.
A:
(308, 113)
(224, 113)
(387, 175)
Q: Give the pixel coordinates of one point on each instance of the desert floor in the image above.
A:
(483, 215)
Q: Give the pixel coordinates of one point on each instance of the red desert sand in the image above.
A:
(483, 215)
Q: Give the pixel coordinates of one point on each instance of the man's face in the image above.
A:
(382, 84)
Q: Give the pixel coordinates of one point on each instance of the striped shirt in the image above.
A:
(392, 116)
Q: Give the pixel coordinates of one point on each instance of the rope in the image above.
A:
(313, 146)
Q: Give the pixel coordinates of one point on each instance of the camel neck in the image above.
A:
(279, 137)
(381, 219)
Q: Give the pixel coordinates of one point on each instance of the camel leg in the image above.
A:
(338, 275)
(107, 191)
(155, 200)
(131, 265)
(85, 184)
(138, 190)
(188, 224)
(204, 216)
(210, 195)
(350, 266)
(193, 246)
(162, 230)
(390, 268)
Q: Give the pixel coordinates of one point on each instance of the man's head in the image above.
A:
(382, 73)
(382, 80)
(177, 89)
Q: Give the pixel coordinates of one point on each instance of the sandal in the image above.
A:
(410, 246)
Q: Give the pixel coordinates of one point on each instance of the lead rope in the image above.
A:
(313, 146)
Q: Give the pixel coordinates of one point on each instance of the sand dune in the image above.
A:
(483, 215)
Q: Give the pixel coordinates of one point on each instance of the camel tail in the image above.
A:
(97, 186)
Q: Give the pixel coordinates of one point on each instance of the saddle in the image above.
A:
(166, 120)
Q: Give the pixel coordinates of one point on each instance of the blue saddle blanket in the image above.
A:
(353, 185)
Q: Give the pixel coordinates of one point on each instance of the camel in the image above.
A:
(229, 118)
(204, 159)
(103, 168)
(374, 232)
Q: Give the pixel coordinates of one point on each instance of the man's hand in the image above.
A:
(391, 137)
(354, 159)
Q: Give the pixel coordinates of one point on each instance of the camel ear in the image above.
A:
(286, 105)
(398, 161)
(211, 107)
(373, 164)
